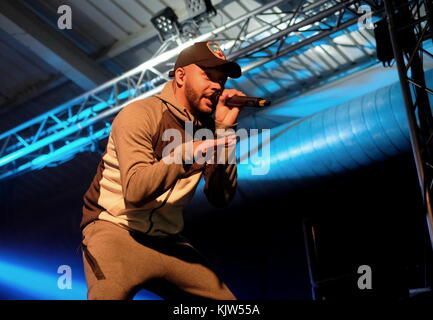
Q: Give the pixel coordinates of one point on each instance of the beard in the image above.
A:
(192, 97)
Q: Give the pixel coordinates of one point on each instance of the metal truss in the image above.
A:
(255, 39)
(415, 17)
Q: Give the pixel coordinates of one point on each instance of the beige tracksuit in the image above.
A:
(138, 194)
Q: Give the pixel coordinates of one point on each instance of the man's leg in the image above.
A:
(117, 264)
(114, 263)
(189, 271)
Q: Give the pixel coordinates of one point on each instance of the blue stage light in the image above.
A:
(22, 278)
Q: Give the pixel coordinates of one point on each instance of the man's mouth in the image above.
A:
(208, 101)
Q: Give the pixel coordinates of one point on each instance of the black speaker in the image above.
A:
(405, 34)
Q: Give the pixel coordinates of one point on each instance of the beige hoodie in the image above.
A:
(135, 188)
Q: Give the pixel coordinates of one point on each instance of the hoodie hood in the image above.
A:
(167, 95)
(179, 110)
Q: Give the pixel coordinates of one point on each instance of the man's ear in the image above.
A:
(179, 76)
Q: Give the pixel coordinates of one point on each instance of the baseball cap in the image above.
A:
(206, 54)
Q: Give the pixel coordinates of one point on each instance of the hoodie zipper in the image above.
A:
(159, 207)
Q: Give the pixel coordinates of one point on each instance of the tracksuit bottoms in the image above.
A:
(118, 263)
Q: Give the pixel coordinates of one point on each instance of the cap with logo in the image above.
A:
(206, 54)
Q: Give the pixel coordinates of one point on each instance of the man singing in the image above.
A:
(132, 214)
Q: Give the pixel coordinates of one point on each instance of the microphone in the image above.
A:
(241, 101)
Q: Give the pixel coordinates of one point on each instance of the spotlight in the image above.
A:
(195, 7)
(166, 22)
(199, 8)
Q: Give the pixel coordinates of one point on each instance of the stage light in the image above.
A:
(169, 27)
(195, 7)
(166, 22)
(200, 8)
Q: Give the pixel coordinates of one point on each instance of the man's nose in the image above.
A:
(216, 85)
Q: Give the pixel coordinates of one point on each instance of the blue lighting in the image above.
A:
(336, 93)
(34, 284)
(61, 154)
(25, 276)
(67, 127)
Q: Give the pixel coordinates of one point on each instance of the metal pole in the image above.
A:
(429, 11)
(410, 112)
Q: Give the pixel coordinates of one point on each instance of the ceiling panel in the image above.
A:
(94, 13)
(152, 6)
(117, 15)
(20, 69)
(135, 10)
(86, 21)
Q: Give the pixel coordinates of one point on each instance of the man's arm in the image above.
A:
(221, 183)
(221, 178)
(143, 178)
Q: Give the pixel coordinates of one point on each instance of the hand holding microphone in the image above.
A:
(229, 102)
